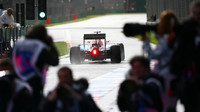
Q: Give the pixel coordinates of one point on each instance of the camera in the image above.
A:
(62, 91)
(132, 29)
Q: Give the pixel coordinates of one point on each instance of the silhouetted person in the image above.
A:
(163, 52)
(87, 103)
(31, 57)
(15, 94)
(142, 90)
(185, 61)
(63, 98)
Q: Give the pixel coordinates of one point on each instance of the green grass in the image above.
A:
(85, 18)
(61, 47)
(77, 20)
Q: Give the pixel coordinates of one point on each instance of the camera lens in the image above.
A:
(61, 91)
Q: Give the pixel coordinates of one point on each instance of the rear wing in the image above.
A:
(94, 36)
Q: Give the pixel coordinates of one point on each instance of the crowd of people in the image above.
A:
(176, 73)
(21, 89)
(175, 76)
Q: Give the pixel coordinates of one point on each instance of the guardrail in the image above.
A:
(8, 38)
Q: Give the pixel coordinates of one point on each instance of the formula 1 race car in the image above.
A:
(95, 47)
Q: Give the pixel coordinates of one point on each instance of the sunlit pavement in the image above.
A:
(105, 87)
(104, 90)
(105, 83)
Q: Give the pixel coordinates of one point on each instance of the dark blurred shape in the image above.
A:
(22, 100)
(5, 64)
(1, 6)
(62, 92)
(132, 29)
(81, 85)
(87, 104)
(127, 88)
(30, 9)
(20, 14)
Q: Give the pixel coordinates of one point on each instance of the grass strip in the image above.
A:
(77, 20)
(61, 47)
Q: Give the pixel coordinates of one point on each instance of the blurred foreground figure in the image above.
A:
(31, 57)
(142, 91)
(69, 95)
(15, 94)
(63, 98)
(87, 103)
(185, 64)
(165, 32)
(163, 52)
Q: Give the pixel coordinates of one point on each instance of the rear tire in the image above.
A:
(122, 51)
(115, 54)
(75, 55)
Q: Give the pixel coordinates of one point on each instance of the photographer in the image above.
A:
(63, 98)
(163, 53)
(166, 31)
(69, 95)
(142, 90)
(31, 57)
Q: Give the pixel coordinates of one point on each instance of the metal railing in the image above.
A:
(8, 38)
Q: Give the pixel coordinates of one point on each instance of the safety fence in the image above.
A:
(8, 38)
(65, 10)
(180, 7)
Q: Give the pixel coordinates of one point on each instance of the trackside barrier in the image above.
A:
(8, 38)
(180, 7)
